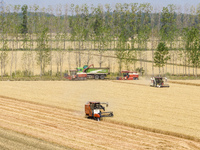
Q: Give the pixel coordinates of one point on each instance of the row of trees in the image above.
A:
(134, 28)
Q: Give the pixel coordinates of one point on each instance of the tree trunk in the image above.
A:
(40, 65)
(69, 65)
(196, 71)
(11, 63)
(159, 71)
(61, 62)
(1, 67)
(79, 61)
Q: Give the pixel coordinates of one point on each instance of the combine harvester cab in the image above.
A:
(96, 111)
(158, 82)
(128, 75)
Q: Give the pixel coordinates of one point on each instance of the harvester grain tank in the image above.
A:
(96, 110)
(158, 82)
(129, 75)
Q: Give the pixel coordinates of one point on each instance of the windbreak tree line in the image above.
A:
(127, 31)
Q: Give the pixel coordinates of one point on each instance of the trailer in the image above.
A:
(95, 72)
(82, 73)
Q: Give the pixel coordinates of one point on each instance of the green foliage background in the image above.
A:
(130, 27)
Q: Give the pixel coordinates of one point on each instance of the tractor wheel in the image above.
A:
(96, 77)
(102, 77)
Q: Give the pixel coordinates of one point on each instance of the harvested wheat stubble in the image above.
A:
(69, 129)
(12, 140)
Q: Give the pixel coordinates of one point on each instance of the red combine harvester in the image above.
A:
(129, 75)
(96, 111)
(76, 76)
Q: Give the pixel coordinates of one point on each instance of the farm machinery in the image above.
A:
(82, 73)
(96, 110)
(129, 75)
(158, 82)
(74, 75)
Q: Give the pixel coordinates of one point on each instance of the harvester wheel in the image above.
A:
(96, 77)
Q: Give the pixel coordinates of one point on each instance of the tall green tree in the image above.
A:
(17, 31)
(133, 33)
(100, 31)
(168, 27)
(43, 53)
(5, 25)
(60, 53)
(42, 50)
(26, 38)
(193, 46)
(198, 16)
(168, 24)
(143, 28)
(161, 56)
(25, 19)
(121, 38)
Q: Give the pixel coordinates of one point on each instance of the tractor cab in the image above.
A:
(73, 72)
(72, 75)
(125, 74)
(159, 80)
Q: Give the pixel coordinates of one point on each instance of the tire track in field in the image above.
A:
(185, 83)
(133, 83)
(70, 129)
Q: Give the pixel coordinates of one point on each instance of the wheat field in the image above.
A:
(173, 109)
(30, 125)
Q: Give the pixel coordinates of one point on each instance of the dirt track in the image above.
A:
(69, 129)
